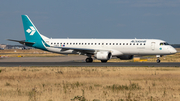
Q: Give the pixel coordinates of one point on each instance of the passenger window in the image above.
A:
(119, 43)
(133, 43)
(130, 44)
(94, 43)
(91, 43)
(106, 43)
(137, 43)
(116, 43)
(126, 43)
(79, 43)
(102, 43)
(88, 43)
(51, 43)
(123, 43)
(99, 43)
(140, 43)
(144, 44)
(76, 43)
(113, 43)
(54, 43)
(67, 43)
(82, 43)
(109, 43)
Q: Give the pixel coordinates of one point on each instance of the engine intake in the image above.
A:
(104, 55)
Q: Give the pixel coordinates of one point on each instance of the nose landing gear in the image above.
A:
(158, 58)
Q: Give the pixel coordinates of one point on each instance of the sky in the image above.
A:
(109, 19)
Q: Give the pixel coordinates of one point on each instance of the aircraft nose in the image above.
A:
(173, 51)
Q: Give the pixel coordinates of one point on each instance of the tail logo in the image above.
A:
(31, 30)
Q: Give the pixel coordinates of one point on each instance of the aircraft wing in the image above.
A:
(82, 50)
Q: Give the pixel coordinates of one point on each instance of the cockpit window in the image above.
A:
(164, 43)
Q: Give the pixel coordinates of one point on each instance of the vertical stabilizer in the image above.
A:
(31, 32)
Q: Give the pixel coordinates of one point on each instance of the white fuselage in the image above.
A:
(116, 46)
(101, 49)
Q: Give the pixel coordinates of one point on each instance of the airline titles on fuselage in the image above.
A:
(138, 41)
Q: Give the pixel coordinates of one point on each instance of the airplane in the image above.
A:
(100, 49)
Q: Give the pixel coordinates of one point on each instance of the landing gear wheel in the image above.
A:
(89, 60)
(158, 61)
(103, 61)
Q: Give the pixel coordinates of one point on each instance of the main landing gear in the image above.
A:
(158, 60)
(103, 61)
(89, 60)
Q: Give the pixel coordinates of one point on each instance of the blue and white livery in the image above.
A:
(101, 49)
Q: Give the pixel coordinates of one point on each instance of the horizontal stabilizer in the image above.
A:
(21, 42)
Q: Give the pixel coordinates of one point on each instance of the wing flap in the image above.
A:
(71, 48)
(82, 50)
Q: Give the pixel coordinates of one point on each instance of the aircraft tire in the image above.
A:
(103, 61)
(89, 60)
(158, 61)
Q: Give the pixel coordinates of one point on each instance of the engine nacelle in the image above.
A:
(104, 55)
(125, 57)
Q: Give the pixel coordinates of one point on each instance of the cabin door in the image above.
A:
(153, 45)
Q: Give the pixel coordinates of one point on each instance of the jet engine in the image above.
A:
(103, 55)
(125, 57)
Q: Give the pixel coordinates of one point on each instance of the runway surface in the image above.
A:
(82, 64)
(74, 61)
